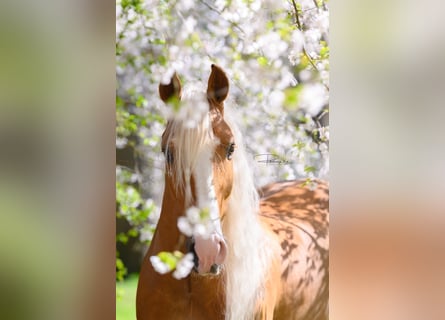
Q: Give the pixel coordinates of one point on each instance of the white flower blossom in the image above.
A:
(193, 215)
(145, 235)
(297, 43)
(220, 4)
(159, 265)
(312, 42)
(184, 266)
(313, 98)
(324, 133)
(192, 109)
(272, 45)
(190, 24)
(276, 99)
(322, 21)
(185, 226)
(305, 75)
(255, 5)
(185, 4)
(121, 142)
(196, 223)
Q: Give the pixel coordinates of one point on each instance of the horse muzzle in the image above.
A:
(209, 252)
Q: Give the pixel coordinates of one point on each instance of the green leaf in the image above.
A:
(141, 101)
(309, 169)
(119, 102)
(262, 61)
(133, 233)
(122, 237)
(204, 213)
(324, 52)
(121, 271)
(291, 97)
(299, 145)
(168, 258)
(178, 254)
(306, 182)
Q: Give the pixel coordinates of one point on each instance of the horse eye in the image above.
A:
(168, 155)
(230, 150)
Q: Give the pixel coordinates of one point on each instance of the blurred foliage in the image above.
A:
(135, 210)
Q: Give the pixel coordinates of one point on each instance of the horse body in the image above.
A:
(277, 246)
(298, 216)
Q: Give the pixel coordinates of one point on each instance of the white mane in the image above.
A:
(250, 251)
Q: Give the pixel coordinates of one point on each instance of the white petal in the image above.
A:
(200, 230)
(192, 214)
(184, 266)
(184, 226)
(158, 265)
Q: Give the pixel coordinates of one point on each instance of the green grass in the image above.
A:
(126, 298)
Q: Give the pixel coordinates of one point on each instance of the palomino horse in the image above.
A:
(271, 253)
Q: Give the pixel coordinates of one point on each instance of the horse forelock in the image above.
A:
(189, 133)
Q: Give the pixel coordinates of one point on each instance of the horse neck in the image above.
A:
(167, 233)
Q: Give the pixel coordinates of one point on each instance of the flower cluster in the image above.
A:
(196, 222)
(165, 262)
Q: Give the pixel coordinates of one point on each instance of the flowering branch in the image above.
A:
(297, 19)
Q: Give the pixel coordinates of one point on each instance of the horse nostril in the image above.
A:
(215, 269)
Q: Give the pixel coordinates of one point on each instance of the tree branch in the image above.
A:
(297, 19)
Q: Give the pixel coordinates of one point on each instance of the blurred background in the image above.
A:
(57, 172)
(67, 161)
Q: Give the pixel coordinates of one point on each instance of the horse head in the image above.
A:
(199, 168)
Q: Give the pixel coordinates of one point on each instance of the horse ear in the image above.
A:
(218, 86)
(171, 90)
